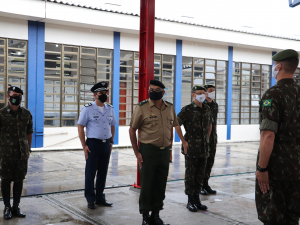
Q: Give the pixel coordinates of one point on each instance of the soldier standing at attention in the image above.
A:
(100, 120)
(16, 128)
(277, 193)
(197, 121)
(155, 120)
(210, 89)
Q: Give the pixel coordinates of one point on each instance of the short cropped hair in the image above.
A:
(290, 65)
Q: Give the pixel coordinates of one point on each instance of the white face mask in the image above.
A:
(212, 95)
(200, 98)
(274, 72)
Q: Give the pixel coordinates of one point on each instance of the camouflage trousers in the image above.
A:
(194, 174)
(13, 169)
(281, 205)
(210, 160)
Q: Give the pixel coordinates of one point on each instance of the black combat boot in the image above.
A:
(155, 219)
(208, 188)
(197, 202)
(17, 192)
(5, 189)
(191, 205)
(146, 218)
(203, 191)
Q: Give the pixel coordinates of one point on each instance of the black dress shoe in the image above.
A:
(203, 191)
(7, 213)
(191, 205)
(197, 202)
(146, 219)
(91, 205)
(156, 220)
(104, 203)
(16, 211)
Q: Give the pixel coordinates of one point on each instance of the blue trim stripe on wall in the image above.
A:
(31, 76)
(35, 86)
(229, 91)
(40, 74)
(273, 81)
(116, 82)
(178, 80)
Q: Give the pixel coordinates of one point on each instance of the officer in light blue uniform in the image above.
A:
(100, 120)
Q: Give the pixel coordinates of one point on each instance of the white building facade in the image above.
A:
(55, 52)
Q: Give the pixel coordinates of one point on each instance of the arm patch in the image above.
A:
(87, 105)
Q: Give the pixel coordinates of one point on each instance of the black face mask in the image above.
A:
(102, 98)
(155, 95)
(15, 100)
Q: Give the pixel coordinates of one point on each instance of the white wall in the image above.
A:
(67, 137)
(129, 42)
(26, 9)
(245, 132)
(252, 55)
(13, 28)
(204, 50)
(78, 36)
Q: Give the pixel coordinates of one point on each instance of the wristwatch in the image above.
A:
(262, 169)
(112, 142)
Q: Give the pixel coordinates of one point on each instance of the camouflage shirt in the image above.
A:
(14, 128)
(214, 110)
(280, 113)
(196, 121)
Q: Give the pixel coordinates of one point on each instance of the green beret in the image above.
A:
(285, 54)
(196, 87)
(206, 86)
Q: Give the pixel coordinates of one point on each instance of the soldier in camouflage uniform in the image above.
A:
(206, 189)
(16, 128)
(277, 192)
(197, 121)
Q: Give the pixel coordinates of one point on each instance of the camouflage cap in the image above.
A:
(197, 87)
(285, 54)
(206, 86)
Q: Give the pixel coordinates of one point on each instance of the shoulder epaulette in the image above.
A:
(142, 102)
(109, 105)
(87, 105)
(168, 102)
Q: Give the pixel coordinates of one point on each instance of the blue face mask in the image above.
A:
(274, 72)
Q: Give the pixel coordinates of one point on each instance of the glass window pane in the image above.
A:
(52, 47)
(16, 44)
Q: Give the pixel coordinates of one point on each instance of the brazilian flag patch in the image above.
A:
(267, 102)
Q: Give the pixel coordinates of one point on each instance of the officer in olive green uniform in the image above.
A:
(16, 128)
(197, 121)
(211, 95)
(277, 192)
(155, 119)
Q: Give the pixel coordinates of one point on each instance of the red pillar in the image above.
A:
(146, 55)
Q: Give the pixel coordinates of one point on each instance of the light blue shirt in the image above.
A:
(98, 124)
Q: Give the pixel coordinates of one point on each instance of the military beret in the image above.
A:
(285, 54)
(196, 87)
(15, 89)
(206, 86)
(157, 83)
(101, 86)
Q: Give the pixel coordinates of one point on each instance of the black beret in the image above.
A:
(101, 86)
(197, 87)
(15, 89)
(206, 86)
(286, 54)
(157, 83)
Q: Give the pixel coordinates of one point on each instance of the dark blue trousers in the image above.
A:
(97, 162)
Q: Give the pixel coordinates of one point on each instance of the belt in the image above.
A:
(155, 146)
(96, 139)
